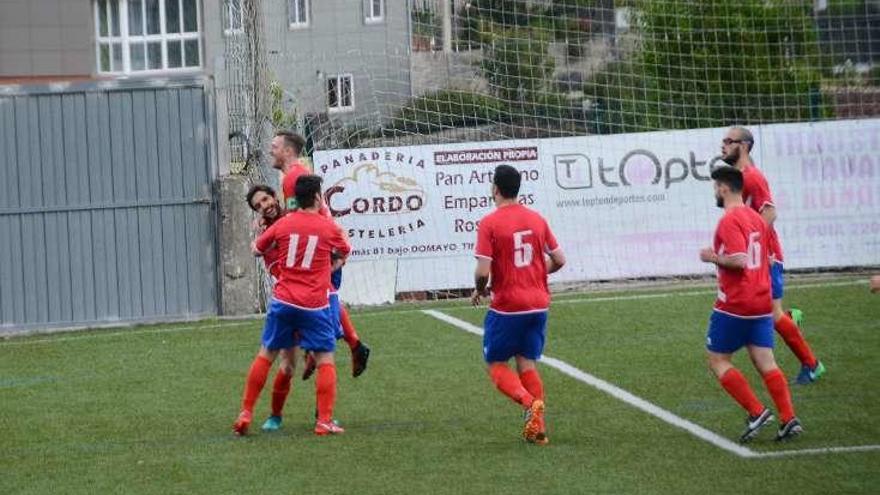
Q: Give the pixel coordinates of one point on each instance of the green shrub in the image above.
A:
(446, 109)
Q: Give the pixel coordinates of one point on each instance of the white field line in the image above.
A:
(618, 393)
(820, 450)
(664, 295)
(145, 331)
(627, 297)
(236, 321)
(654, 410)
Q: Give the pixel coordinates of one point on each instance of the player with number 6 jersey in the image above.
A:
(512, 243)
(743, 313)
(743, 293)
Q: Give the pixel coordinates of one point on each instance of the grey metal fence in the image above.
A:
(106, 204)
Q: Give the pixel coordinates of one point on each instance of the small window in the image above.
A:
(298, 13)
(340, 93)
(374, 11)
(234, 22)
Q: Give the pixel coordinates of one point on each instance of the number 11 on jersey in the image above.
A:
(311, 244)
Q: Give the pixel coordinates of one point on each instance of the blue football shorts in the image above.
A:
(509, 335)
(336, 278)
(777, 284)
(335, 307)
(314, 327)
(728, 333)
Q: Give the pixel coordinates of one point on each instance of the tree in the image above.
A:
(518, 66)
(712, 63)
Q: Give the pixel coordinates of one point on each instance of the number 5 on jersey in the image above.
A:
(522, 250)
(311, 244)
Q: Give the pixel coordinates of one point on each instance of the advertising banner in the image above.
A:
(627, 205)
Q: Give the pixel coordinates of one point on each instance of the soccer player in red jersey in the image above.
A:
(261, 198)
(286, 150)
(308, 241)
(735, 149)
(743, 313)
(512, 243)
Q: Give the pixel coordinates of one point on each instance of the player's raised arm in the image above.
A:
(264, 241)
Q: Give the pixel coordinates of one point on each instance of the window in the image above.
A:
(234, 22)
(340, 93)
(374, 11)
(298, 13)
(147, 35)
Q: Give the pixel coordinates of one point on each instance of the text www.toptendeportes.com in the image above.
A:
(611, 200)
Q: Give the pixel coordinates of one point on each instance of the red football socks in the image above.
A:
(255, 380)
(531, 380)
(778, 388)
(325, 391)
(792, 336)
(349, 333)
(738, 387)
(507, 381)
(280, 390)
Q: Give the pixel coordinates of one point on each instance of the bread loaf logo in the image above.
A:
(369, 191)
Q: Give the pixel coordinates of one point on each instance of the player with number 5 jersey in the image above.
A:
(512, 243)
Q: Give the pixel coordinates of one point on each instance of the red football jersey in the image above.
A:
(305, 241)
(756, 193)
(516, 238)
(288, 185)
(272, 257)
(742, 232)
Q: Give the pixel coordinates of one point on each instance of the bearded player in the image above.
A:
(742, 316)
(286, 150)
(735, 149)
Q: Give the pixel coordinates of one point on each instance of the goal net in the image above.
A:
(613, 111)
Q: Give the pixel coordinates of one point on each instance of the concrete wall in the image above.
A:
(336, 41)
(239, 276)
(46, 38)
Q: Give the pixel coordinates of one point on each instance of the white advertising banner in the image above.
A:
(627, 205)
